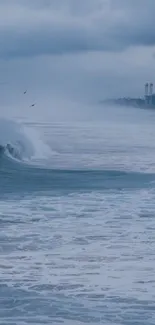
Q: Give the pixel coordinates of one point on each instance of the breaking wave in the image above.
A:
(20, 142)
(22, 150)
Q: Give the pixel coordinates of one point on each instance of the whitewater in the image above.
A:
(77, 218)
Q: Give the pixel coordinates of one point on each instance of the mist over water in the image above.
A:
(77, 178)
(77, 216)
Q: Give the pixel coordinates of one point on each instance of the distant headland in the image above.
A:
(148, 101)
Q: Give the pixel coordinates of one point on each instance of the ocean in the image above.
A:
(77, 219)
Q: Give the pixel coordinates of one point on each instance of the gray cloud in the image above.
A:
(107, 49)
(43, 27)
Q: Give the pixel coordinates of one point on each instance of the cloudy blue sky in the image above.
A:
(75, 49)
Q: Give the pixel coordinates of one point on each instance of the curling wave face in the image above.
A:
(13, 152)
(13, 140)
(20, 142)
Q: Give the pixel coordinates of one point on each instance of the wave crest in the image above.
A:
(21, 142)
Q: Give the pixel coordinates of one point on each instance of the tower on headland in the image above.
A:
(146, 93)
(149, 95)
(146, 101)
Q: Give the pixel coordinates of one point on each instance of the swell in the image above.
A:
(19, 178)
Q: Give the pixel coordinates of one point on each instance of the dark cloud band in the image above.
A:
(58, 27)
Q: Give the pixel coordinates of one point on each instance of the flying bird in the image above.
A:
(25, 91)
(32, 105)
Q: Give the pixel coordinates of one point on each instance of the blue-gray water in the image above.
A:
(77, 220)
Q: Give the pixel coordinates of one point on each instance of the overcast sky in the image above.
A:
(75, 49)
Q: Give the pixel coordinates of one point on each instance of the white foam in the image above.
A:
(41, 149)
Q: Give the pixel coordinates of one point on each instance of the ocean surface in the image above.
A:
(77, 220)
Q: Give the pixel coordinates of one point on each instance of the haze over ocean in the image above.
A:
(77, 194)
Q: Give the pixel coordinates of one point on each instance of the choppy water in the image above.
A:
(77, 220)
